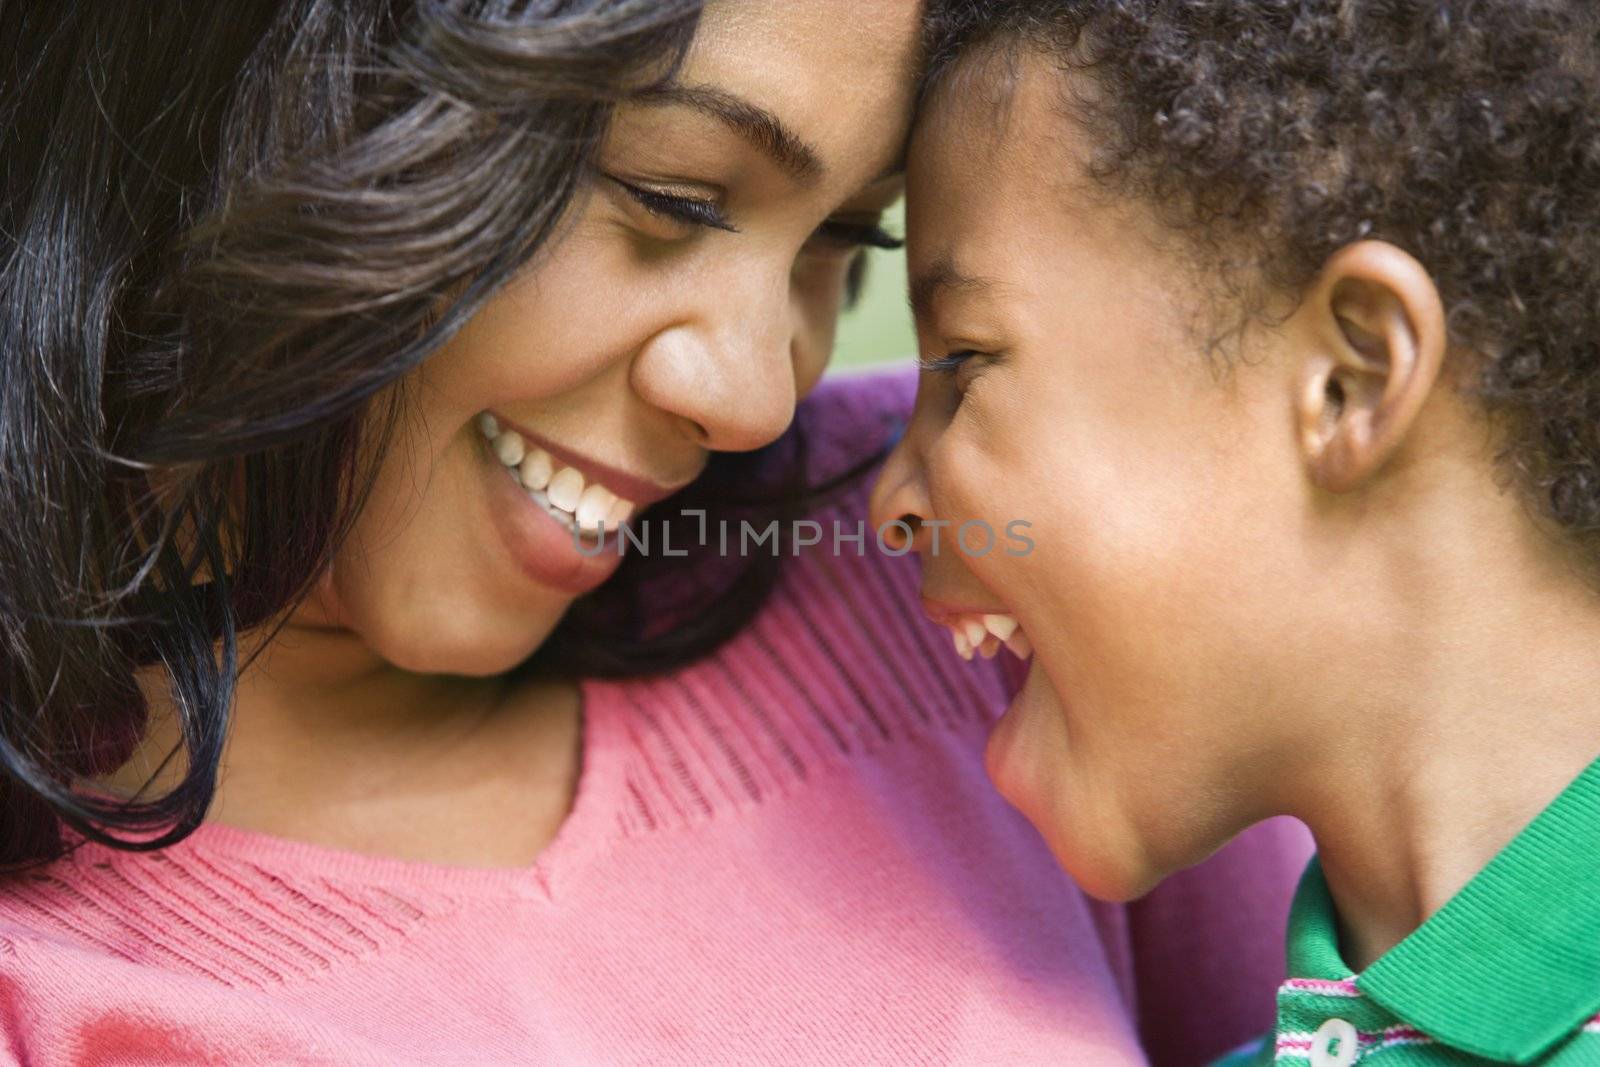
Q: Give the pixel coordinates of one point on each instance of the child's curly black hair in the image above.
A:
(1464, 131)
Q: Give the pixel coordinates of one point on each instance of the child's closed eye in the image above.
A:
(947, 364)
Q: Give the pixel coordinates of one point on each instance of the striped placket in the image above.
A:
(1508, 971)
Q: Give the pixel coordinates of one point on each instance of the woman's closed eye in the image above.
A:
(690, 212)
(849, 235)
(687, 212)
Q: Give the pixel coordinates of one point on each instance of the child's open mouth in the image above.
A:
(984, 633)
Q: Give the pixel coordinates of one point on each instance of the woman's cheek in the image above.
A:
(818, 289)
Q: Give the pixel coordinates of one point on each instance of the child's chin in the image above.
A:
(1108, 876)
(1026, 756)
(1103, 862)
(1028, 760)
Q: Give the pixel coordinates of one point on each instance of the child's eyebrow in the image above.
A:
(939, 276)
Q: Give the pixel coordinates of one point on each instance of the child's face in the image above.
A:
(1164, 597)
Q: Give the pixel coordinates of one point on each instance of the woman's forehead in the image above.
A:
(841, 98)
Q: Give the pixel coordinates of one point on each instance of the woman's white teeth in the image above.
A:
(620, 512)
(508, 446)
(984, 634)
(537, 469)
(562, 492)
(565, 489)
(593, 507)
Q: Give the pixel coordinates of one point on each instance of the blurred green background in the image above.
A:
(878, 328)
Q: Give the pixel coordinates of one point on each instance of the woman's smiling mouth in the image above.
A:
(577, 502)
(568, 540)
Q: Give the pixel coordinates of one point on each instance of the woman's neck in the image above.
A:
(330, 744)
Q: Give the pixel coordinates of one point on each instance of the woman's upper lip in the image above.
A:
(640, 490)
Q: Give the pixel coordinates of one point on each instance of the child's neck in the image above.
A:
(1483, 711)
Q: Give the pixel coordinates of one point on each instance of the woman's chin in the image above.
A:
(470, 641)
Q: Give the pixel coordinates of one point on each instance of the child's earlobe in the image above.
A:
(1377, 332)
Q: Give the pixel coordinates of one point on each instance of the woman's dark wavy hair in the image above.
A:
(227, 228)
(1273, 132)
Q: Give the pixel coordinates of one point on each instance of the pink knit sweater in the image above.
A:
(786, 854)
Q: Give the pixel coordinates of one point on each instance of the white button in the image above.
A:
(1335, 1045)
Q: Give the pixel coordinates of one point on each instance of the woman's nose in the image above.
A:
(729, 371)
(899, 506)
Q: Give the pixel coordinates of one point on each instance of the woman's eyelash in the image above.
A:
(694, 212)
(859, 234)
(946, 364)
(684, 209)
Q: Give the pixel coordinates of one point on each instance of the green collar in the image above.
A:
(1511, 964)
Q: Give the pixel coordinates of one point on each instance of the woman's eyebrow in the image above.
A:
(749, 120)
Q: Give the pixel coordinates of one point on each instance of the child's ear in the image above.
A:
(1377, 330)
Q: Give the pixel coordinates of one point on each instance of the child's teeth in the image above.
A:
(488, 425)
(593, 506)
(1002, 626)
(536, 469)
(566, 489)
(974, 630)
(509, 447)
(984, 634)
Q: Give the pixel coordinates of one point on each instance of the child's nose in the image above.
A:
(899, 504)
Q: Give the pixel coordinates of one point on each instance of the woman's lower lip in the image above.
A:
(541, 547)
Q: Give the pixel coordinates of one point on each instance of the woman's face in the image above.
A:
(691, 301)
(1166, 507)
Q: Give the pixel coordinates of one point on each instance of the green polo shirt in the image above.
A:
(1508, 971)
